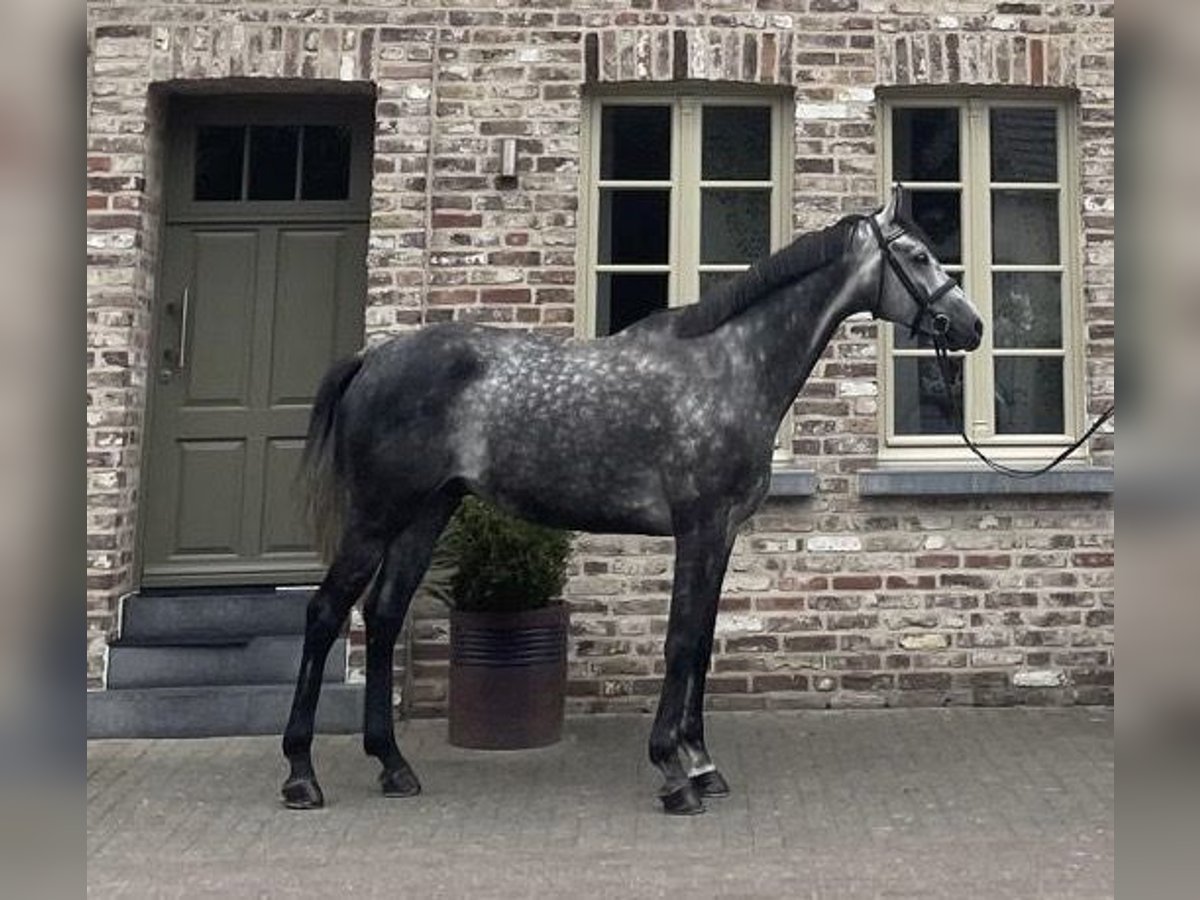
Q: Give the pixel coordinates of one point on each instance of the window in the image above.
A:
(271, 162)
(991, 184)
(684, 189)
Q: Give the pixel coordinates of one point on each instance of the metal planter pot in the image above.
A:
(508, 676)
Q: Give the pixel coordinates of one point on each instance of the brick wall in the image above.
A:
(834, 600)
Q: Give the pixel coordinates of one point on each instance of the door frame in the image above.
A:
(184, 113)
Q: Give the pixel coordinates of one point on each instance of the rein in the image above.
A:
(941, 325)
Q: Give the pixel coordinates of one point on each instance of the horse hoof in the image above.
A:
(710, 784)
(683, 800)
(302, 793)
(399, 783)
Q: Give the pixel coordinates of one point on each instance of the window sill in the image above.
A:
(792, 481)
(929, 482)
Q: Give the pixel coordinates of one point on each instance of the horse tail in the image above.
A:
(325, 490)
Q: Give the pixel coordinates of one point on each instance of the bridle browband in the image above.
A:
(941, 327)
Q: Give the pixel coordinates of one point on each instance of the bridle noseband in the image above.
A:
(940, 322)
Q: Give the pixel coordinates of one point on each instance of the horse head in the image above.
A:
(913, 289)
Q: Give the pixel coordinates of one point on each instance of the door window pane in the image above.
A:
(736, 143)
(925, 144)
(1029, 395)
(1025, 227)
(735, 225)
(326, 174)
(273, 155)
(625, 297)
(1024, 144)
(922, 404)
(635, 143)
(938, 213)
(634, 227)
(218, 169)
(1027, 309)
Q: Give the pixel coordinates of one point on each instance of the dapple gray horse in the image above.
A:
(666, 428)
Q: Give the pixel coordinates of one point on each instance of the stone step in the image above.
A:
(211, 615)
(272, 659)
(215, 711)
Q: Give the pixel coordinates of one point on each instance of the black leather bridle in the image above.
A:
(924, 300)
(940, 324)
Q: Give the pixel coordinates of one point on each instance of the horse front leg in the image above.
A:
(701, 769)
(677, 740)
(407, 559)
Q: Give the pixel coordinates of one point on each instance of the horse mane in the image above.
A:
(806, 254)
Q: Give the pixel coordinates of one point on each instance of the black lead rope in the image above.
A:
(943, 359)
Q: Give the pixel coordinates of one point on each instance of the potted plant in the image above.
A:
(508, 628)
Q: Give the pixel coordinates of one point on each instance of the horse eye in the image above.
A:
(921, 256)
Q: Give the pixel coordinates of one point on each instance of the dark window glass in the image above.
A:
(634, 227)
(273, 154)
(326, 174)
(635, 143)
(940, 217)
(736, 143)
(922, 404)
(1025, 227)
(735, 225)
(1027, 309)
(1024, 144)
(709, 280)
(925, 144)
(1029, 395)
(218, 171)
(625, 297)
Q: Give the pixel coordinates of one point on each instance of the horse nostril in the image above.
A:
(979, 328)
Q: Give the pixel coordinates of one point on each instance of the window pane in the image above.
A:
(1024, 144)
(1029, 395)
(219, 151)
(922, 405)
(939, 215)
(735, 225)
(925, 144)
(709, 280)
(326, 174)
(736, 143)
(635, 142)
(1025, 227)
(623, 298)
(273, 162)
(1027, 309)
(634, 226)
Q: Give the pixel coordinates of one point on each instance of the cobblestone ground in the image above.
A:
(908, 803)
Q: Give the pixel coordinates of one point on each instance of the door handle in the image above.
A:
(181, 358)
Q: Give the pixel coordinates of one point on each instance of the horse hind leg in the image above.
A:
(357, 562)
(408, 558)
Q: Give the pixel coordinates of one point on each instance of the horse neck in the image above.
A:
(785, 333)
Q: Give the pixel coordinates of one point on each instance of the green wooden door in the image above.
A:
(255, 300)
(252, 316)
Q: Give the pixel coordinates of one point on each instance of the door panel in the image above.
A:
(306, 305)
(258, 312)
(219, 309)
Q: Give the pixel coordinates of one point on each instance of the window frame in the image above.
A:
(976, 198)
(685, 186)
(686, 189)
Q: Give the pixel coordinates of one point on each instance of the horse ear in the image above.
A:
(892, 207)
